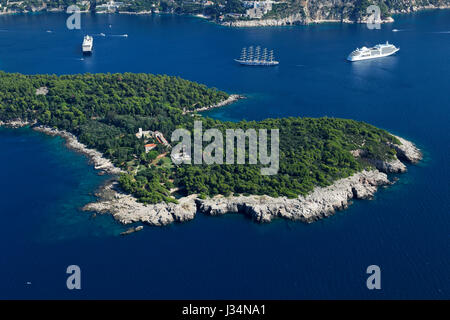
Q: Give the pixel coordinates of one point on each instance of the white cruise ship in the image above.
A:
(380, 50)
(88, 43)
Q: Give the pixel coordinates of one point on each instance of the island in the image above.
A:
(124, 123)
(238, 13)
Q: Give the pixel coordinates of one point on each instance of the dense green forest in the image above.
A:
(106, 110)
(313, 152)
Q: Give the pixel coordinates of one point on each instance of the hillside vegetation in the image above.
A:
(297, 11)
(106, 110)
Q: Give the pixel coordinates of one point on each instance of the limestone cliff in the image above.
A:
(348, 11)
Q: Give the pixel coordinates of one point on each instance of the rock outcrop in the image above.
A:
(322, 202)
(407, 151)
(231, 99)
(126, 209)
(391, 166)
(131, 230)
(16, 123)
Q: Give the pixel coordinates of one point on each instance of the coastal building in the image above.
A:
(160, 137)
(153, 134)
(144, 134)
(84, 5)
(257, 8)
(149, 147)
(110, 6)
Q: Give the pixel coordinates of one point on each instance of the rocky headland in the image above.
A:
(231, 99)
(322, 202)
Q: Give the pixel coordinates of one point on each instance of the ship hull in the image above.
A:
(86, 48)
(353, 59)
(257, 63)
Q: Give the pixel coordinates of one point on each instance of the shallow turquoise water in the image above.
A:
(405, 229)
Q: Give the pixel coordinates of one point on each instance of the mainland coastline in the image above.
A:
(310, 12)
(301, 19)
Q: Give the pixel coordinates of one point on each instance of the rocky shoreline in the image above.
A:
(292, 20)
(96, 157)
(300, 19)
(16, 123)
(322, 202)
(231, 99)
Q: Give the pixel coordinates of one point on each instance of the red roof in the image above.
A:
(150, 145)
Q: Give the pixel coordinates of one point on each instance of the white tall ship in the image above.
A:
(88, 43)
(378, 51)
(254, 56)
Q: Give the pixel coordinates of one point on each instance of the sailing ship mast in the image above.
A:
(256, 56)
(244, 53)
(265, 54)
(258, 53)
(250, 53)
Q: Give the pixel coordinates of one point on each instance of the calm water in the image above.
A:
(405, 230)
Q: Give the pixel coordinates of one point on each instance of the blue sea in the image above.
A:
(405, 230)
